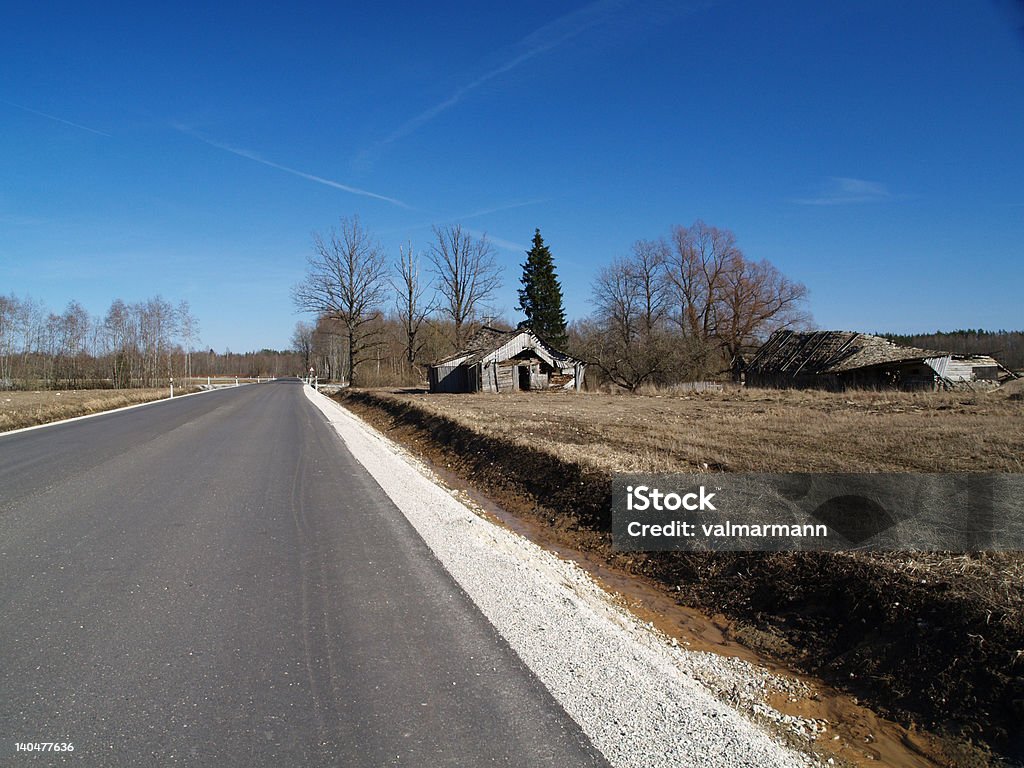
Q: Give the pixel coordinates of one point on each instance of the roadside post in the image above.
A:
(172, 386)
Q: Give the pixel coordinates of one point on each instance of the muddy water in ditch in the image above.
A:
(855, 735)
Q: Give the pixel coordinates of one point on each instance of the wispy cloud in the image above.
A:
(507, 245)
(499, 208)
(55, 118)
(541, 40)
(606, 13)
(301, 174)
(842, 190)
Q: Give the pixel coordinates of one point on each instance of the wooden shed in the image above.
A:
(506, 361)
(847, 359)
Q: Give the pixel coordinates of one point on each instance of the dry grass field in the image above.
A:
(27, 409)
(755, 430)
(774, 431)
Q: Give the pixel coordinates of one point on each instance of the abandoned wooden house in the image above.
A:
(845, 359)
(506, 361)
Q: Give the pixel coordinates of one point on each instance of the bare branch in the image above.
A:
(467, 274)
(345, 281)
(411, 307)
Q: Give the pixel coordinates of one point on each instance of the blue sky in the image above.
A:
(872, 150)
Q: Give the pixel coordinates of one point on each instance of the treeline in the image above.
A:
(684, 308)
(1005, 346)
(381, 322)
(266, 362)
(679, 308)
(385, 361)
(141, 344)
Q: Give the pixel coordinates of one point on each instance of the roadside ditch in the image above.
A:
(943, 676)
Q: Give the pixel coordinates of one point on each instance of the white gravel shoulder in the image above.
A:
(640, 700)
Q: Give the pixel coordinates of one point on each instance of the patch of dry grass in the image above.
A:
(754, 430)
(995, 580)
(27, 409)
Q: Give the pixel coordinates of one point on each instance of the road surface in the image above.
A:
(216, 581)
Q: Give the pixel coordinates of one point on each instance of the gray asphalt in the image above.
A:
(216, 581)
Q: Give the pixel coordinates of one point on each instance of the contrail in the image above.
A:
(301, 174)
(499, 208)
(506, 244)
(55, 118)
(540, 41)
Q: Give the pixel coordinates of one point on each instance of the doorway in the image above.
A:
(524, 377)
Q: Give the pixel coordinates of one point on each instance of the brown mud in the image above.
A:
(891, 676)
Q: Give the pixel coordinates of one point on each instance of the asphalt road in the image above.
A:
(216, 581)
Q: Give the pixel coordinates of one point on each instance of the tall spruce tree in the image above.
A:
(540, 298)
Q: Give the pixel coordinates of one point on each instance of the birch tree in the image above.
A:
(188, 328)
(302, 342)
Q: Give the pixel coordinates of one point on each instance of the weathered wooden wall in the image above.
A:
(448, 377)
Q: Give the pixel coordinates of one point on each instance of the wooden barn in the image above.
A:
(845, 359)
(506, 361)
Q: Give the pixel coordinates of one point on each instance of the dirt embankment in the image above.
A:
(936, 641)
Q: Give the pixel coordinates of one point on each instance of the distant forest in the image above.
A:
(1005, 346)
(142, 344)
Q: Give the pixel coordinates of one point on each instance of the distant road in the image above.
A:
(216, 581)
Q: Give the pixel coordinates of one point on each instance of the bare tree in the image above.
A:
(133, 344)
(646, 270)
(345, 281)
(695, 266)
(75, 325)
(121, 332)
(756, 300)
(410, 303)
(158, 326)
(627, 339)
(330, 350)
(467, 275)
(8, 317)
(722, 301)
(188, 327)
(28, 328)
(302, 342)
(617, 300)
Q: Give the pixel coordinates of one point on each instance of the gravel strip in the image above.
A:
(642, 701)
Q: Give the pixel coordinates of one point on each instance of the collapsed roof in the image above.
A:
(826, 352)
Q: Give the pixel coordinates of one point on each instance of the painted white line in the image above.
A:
(102, 413)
